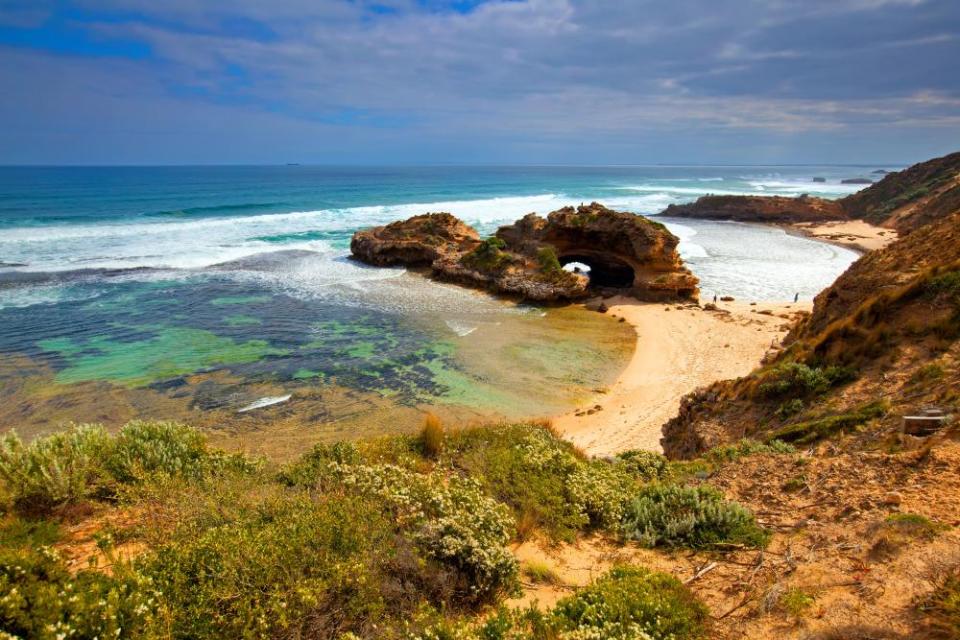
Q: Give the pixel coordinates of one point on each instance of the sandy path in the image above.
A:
(678, 350)
(854, 234)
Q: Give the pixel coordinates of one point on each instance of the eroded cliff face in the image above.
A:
(625, 252)
(883, 341)
(763, 209)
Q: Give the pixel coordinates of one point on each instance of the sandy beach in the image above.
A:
(679, 348)
(854, 234)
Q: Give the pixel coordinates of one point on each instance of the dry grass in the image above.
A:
(432, 436)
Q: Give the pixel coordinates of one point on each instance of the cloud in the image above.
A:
(480, 77)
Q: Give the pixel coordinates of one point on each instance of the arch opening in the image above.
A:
(605, 272)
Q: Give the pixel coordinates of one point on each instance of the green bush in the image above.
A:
(488, 255)
(528, 469)
(61, 468)
(291, 565)
(813, 430)
(600, 491)
(145, 448)
(674, 515)
(644, 465)
(548, 261)
(792, 379)
(746, 447)
(630, 603)
(40, 599)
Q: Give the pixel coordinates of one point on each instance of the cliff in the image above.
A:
(625, 253)
(763, 209)
(880, 343)
(903, 200)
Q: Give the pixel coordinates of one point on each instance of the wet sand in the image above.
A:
(679, 348)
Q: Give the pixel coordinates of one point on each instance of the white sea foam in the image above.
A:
(462, 329)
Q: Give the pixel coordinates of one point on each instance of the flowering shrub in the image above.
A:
(528, 469)
(630, 603)
(674, 515)
(39, 598)
(644, 465)
(600, 491)
(450, 519)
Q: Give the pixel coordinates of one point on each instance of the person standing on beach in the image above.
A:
(796, 297)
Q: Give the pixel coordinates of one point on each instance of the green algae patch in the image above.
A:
(242, 321)
(307, 374)
(225, 301)
(172, 352)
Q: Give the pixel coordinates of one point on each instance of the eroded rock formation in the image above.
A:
(765, 209)
(625, 252)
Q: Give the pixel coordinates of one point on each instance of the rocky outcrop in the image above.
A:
(763, 209)
(625, 252)
(417, 241)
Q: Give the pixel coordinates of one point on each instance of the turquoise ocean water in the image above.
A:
(138, 278)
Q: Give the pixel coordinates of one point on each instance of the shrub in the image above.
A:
(796, 602)
(528, 469)
(790, 407)
(432, 436)
(144, 448)
(547, 258)
(792, 379)
(61, 468)
(813, 430)
(941, 608)
(450, 520)
(695, 517)
(289, 562)
(644, 465)
(39, 598)
(488, 255)
(746, 447)
(630, 603)
(600, 492)
(319, 464)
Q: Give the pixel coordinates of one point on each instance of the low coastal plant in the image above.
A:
(796, 379)
(813, 430)
(695, 517)
(796, 602)
(86, 461)
(548, 261)
(746, 447)
(540, 572)
(40, 598)
(644, 465)
(627, 603)
(60, 468)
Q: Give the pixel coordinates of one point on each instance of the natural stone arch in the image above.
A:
(606, 271)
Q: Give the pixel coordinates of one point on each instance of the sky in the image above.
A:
(581, 82)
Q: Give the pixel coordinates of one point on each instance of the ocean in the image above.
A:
(224, 296)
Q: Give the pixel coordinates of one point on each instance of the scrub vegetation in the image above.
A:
(400, 537)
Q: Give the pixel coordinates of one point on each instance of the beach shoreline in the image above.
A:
(857, 235)
(679, 348)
